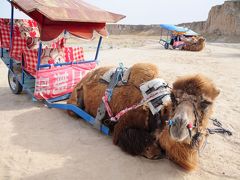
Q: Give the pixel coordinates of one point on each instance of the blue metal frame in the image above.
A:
(98, 48)
(61, 98)
(23, 73)
(87, 117)
(68, 63)
(39, 55)
(11, 36)
(1, 52)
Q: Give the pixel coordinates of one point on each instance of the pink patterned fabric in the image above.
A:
(58, 43)
(5, 35)
(73, 54)
(25, 28)
(33, 43)
(57, 81)
(19, 45)
(22, 29)
(51, 56)
(25, 37)
(178, 43)
(30, 60)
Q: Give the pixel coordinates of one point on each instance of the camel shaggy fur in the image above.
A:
(193, 98)
(196, 44)
(133, 131)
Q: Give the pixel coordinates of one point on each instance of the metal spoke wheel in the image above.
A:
(166, 45)
(14, 85)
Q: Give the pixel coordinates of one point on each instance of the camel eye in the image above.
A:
(204, 104)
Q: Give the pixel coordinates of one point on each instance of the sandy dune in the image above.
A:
(41, 143)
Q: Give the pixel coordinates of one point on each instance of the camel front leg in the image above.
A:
(133, 137)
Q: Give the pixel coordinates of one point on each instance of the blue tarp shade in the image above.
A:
(171, 27)
(191, 33)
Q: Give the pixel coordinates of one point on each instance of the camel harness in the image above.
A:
(155, 93)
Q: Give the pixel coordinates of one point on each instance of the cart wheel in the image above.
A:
(166, 45)
(14, 85)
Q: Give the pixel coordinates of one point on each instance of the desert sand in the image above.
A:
(41, 143)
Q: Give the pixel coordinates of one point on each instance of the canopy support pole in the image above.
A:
(161, 33)
(39, 55)
(23, 74)
(98, 47)
(168, 35)
(11, 36)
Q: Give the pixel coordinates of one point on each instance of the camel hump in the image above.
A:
(95, 76)
(139, 73)
(142, 72)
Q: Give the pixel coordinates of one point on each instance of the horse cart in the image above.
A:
(176, 36)
(37, 53)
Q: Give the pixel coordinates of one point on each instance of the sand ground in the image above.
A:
(41, 143)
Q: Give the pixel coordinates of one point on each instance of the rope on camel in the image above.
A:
(219, 128)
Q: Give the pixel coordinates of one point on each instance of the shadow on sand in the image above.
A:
(87, 153)
(10, 101)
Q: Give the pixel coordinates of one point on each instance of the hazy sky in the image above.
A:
(146, 11)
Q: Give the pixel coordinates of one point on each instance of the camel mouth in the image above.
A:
(178, 134)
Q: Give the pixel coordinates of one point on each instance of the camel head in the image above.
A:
(201, 40)
(193, 97)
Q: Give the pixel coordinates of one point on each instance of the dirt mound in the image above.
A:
(224, 19)
(222, 25)
(122, 29)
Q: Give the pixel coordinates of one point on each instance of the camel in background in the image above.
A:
(193, 43)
